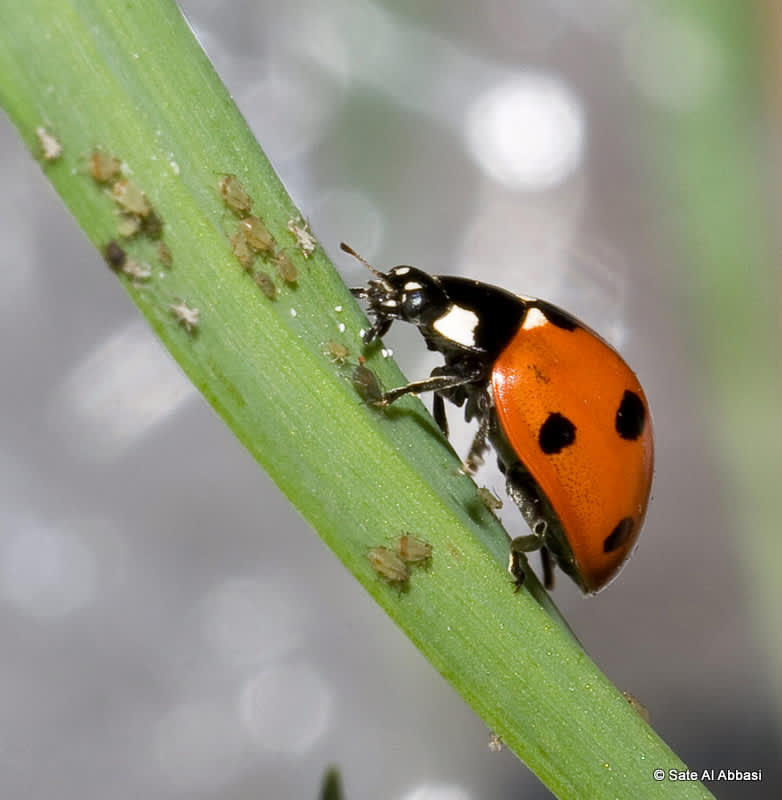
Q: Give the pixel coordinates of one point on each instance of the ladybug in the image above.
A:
(566, 416)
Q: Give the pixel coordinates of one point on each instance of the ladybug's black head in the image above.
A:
(404, 293)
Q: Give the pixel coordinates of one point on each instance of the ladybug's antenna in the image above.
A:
(348, 249)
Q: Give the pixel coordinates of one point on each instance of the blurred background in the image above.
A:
(172, 629)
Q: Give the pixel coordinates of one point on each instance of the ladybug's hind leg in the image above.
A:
(522, 491)
(547, 565)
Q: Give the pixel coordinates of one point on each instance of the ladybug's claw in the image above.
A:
(516, 567)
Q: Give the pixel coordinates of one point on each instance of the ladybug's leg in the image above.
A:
(438, 412)
(434, 383)
(519, 547)
(480, 442)
(521, 490)
(382, 322)
(548, 568)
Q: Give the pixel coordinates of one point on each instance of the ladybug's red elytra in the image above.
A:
(566, 416)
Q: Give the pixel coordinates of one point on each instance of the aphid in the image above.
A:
(305, 241)
(128, 226)
(240, 248)
(130, 198)
(285, 267)
(188, 318)
(366, 384)
(114, 254)
(164, 254)
(152, 225)
(234, 195)
(50, 146)
(637, 706)
(489, 499)
(265, 284)
(389, 565)
(337, 352)
(136, 270)
(566, 416)
(103, 166)
(257, 235)
(413, 550)
(496, 745)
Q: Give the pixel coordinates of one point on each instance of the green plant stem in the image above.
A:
(130, 79)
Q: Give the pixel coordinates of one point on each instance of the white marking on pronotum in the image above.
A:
(458, 324)
(411, 286)
(534, 318)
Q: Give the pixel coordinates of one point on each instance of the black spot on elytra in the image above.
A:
(556, 316)
(630, 416)
(556, 433)
(619, 535)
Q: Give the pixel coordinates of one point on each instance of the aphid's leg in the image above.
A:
(522, 491)
(434, 383)
(438, 412)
